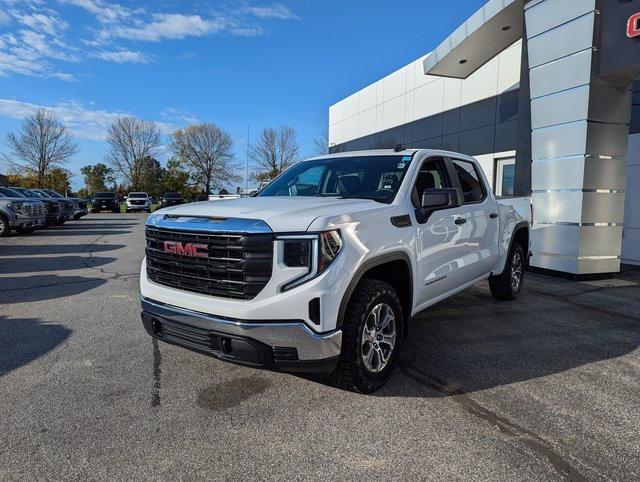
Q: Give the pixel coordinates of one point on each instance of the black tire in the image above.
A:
(127, 211)
(116, 211)
(23, 230)
(4, 226)
(507, 286)
(351, 372)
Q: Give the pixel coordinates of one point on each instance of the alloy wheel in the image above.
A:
(378, 337)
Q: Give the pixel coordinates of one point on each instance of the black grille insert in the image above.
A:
(238, 265)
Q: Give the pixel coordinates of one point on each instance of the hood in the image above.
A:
(282, 214)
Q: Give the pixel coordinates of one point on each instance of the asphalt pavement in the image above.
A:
(547, 387)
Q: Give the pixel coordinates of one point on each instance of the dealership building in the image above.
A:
(544, 94)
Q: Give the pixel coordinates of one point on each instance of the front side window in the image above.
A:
(432, 175)
(363, 177)
(472, 188)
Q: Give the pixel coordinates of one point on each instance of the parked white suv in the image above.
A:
(323, 269)
(138, 201)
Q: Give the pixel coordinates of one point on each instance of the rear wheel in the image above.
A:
(4, 226)
(371, 335)
(507, 286)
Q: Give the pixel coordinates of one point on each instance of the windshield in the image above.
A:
(137, 195)
(26, 193)
(53, 193)
(172, 195)
(105, 195)
(11, 192)
(41, 193)
(364, 177)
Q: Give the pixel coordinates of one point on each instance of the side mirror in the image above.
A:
(435, 200)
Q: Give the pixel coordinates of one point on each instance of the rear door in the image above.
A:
(441, 240)
(481, 213)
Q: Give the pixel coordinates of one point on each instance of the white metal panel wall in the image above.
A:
(631, 233)
(578, 143)
(407, 95)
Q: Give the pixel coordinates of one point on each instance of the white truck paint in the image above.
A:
(397, 248)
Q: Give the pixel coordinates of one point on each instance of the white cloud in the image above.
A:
(167, 26)
(84, 123)
(275, 10)
(124, 57)
(47, 24)
(174, 114)
(104, 12)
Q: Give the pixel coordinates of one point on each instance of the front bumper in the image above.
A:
(20, 221)
(276, 345)
(138, 207)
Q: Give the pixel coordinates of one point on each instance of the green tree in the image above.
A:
(151, 175)
(59, 180)
(176, 178)
(97, 177)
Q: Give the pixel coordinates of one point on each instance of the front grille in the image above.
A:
(50, 207)
(137, 203)
(238, 267)
(32, 210)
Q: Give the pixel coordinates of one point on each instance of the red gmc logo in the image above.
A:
(189, 249)
(633, 26)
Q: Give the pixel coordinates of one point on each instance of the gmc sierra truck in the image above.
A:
(323, 269)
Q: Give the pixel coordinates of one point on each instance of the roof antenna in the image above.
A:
(398, 148)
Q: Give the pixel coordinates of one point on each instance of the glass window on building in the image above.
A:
(505, 176)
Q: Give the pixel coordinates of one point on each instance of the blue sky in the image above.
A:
(236, 64)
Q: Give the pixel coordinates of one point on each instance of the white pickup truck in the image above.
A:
(323, 269)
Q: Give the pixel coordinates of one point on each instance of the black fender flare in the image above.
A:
(363, 269)
(518, 227)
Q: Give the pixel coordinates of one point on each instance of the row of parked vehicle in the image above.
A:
(135, 201)
(25, 210)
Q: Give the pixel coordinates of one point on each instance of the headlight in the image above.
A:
(16, 206)
(315, 252)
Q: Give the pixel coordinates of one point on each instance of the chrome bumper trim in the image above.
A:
(296, 334)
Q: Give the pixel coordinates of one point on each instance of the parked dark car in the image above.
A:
(74, 208)
(52, 208)
(105, 201)
(171, 199)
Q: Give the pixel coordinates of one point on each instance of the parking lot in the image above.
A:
(544, 388)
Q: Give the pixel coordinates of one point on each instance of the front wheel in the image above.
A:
(507, 286)
(371, 335)
(4, 226)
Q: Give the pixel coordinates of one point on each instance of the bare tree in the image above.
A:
(274, 152)
(43, 144)
(131, 141)
(321, 144)
(207, 151)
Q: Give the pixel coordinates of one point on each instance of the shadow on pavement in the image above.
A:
(470, 342)
(25, 340)
(34, 249)
(81, 227)
(26, 289)
(59, 263)
(80, 232)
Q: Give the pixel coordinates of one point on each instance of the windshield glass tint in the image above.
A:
(10, 192)
(53, 193)
(105, 195)
(137, 195)
(367, 177)
(27, 193)
(172, 195)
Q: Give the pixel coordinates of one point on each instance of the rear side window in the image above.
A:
(469, 177)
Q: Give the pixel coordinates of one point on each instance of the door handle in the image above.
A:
(460, 221)
(493, 215)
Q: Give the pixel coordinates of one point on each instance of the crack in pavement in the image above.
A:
(568, 300)
(531, 440)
